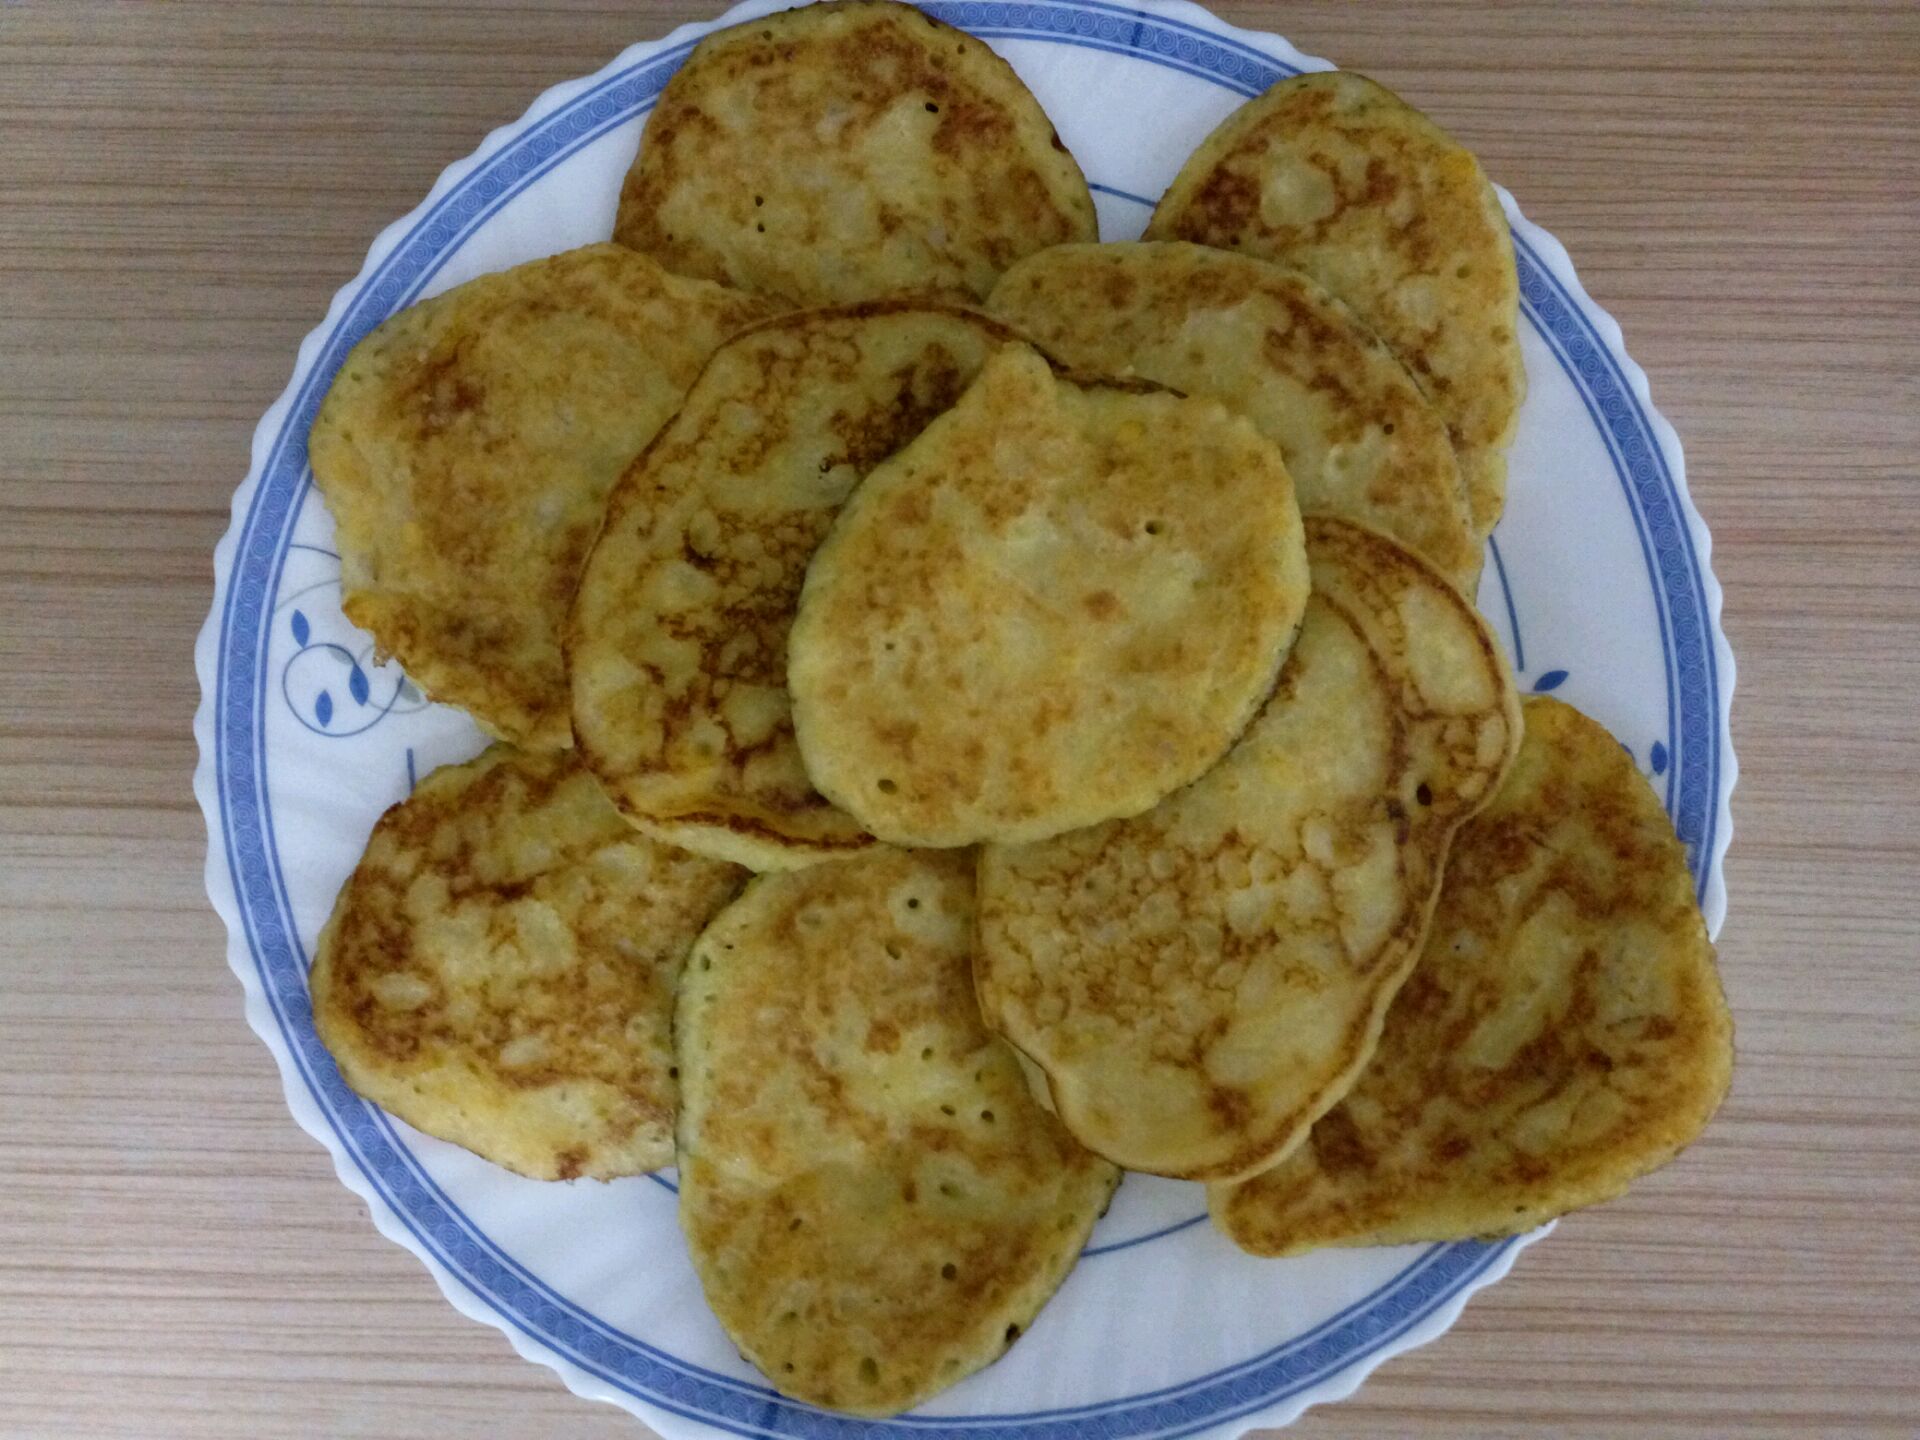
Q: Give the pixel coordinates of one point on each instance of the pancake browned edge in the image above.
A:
(678, 642)
(499, 969)
(1030, 619)
(1338, 176)
(1360, 440)
(850, 151)
(1563, 1034)
(875, 1205)
(1197, 985)
(466, 448)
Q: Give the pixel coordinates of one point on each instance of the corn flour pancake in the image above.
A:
(1060, 602)
(1359, 439)
(1339, 177)
(1563, 1034)
(499, 970)
(850, 151)
(1194, 987)
(679, 633)
(466, 450)
(875, 1205)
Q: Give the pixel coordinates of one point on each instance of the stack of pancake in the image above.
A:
(979, 710)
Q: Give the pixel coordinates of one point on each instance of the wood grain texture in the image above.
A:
(182, 187)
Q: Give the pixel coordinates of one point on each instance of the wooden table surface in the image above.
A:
(182, 186)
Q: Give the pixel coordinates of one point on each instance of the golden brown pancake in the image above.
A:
(1359, 439)
(1563, 1034)
(1032, 618)
(875, 1205)
(1339, 177)
(850, 151)
(499, 969)
(466, 450)
(679, 635)
(1194, 987)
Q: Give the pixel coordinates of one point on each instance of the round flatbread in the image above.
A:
(1359, 439)
(1033, 617)
(466, 449)
(850, 151)
(499, 969)
(1339, 177)
(1195, 986)
(1563, 1034)
(874, 1203)
(679, 634)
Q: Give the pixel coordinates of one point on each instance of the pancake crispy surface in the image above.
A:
(1563, 1033)
(850, 151)
(1057, 604)
(466, 450)
(1359, 439)
(1195, 986)
(499, 970)
(875, 1205)
(1339, 177)
(679, 635)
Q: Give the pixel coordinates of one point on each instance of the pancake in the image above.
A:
(499, 970)
(679, 634)
(1196, 986)
(1339, 177)
(466, 450)
(1032, 618)
(1359, 439)
(875, 1205)
(1563, 1034)
(850, 151)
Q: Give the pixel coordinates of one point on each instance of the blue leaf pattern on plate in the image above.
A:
(320, 662)
(1658, 757)
(1552, 680)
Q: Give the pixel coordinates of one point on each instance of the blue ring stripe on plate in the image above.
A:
(1662, 608)
(1244, 91)
(1145, 21)
(1092, 1251)
(1653, 490)
(248, 842)
(1653, 499)
(1513, 615)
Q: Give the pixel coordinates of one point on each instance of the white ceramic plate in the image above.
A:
(1599, 586)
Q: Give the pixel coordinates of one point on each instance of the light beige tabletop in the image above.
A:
(182, 187)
